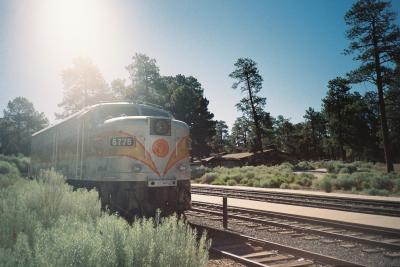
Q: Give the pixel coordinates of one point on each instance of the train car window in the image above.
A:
(115, 111)
(154, 112)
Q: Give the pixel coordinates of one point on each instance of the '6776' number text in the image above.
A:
(122, 141)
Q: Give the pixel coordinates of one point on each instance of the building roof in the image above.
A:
(238, 156)
(242, 155)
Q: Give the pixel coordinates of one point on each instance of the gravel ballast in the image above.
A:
(357, 253)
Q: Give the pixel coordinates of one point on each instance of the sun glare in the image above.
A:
(76, 27)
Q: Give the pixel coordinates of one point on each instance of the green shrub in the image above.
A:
(112, 242)
(265, 183)
(286, 166)
(231, 182)
(345, 182)
(341, 167)
(382, 182)
(256, 183)
(276, 181)
(376, 192)
(237, 177)
(291, 177)
(208, 178)
(244, 181)
(361, 180)
(218, 181)
(9, 174)
(284, 186)
(250, 182)
(326, 184)
(21, 162)
(303, 166)
(330, 168)
(7, 168)
(304, 179)
(250, 175)
(294, 186)
(45, 223)
(199, 171)
(356, 176)
(344, 170)
(397, 185)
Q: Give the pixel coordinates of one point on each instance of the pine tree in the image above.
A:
(84, 85)
(374, 39)
(250, 82)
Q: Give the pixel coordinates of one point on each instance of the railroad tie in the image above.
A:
(294, 263)
(274, 258)
(372, 250)
(392, 241)
(392, 254)
(260, 254)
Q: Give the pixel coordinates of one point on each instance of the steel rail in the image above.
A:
(307, 219)
(224, 235)
(340, 236)
(381, 207)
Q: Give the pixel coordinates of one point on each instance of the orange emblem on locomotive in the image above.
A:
(160, 148)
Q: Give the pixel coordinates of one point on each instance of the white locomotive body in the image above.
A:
(135, 155)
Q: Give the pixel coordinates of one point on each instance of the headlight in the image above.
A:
(136, 168)
(160, 127)
(182, 168)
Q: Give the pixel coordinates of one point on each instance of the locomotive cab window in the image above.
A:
(109, 112)
(154, 112)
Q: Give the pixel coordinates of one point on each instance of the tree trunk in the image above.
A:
(314, 139)
(382, 110)
(259, 146)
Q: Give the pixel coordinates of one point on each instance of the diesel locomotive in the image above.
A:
(135, 155)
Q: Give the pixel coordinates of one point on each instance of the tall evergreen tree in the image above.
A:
(84, 85)
(372, 150)
(241, 135)
(315, 129)
(186, 102)
(334, 104)
(345, 112)
(392, 97)
(19, 122)
(250, 81)
(285, 134)
(182, 96)
(220, 140)
(146, 82)
(374, 39)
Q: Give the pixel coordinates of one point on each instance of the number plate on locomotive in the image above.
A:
(122, 141)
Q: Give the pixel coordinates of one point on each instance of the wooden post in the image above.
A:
(225, 212)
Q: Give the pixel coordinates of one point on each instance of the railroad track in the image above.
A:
(384, 239)
(251, 251)
(381, 207)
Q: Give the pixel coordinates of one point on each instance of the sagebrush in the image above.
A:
(44, 222)
(355, 177)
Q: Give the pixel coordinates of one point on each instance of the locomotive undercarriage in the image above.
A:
(130, 199)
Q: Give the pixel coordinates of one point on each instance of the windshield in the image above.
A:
(115, 111)
(146, 111)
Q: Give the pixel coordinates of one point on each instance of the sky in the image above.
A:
(297, 44)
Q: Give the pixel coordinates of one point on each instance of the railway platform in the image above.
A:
(328, 214)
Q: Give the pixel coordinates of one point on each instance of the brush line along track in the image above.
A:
(258, 252)
(369, 235)
(380, 207)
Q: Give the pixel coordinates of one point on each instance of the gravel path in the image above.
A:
(357, 253)
(216, 262)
